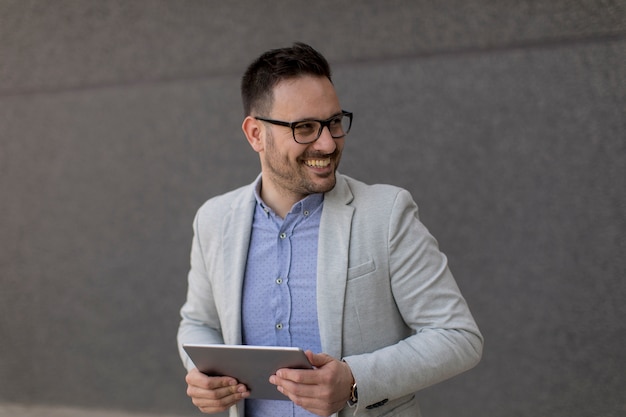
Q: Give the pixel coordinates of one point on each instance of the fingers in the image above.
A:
(318, 359)
(323, 390)
(213, 394)
(327, 366)
(200, 380)
(317, 399)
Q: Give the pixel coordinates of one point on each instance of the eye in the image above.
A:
(336, 121)
(306, 127)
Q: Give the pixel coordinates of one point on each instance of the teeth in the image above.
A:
(318, 163)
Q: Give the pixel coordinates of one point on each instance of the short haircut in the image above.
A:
(275, 66)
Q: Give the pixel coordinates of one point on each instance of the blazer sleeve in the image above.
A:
(443, 339)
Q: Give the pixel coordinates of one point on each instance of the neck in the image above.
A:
(280, 202)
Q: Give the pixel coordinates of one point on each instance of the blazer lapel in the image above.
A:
(236, 239)
(332, 265)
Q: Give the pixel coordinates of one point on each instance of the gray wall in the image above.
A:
(505, 119)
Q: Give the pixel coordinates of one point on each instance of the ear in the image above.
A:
(254, 131)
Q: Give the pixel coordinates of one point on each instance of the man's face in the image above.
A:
(292, 169)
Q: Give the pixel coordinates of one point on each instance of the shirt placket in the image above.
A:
(283, 309)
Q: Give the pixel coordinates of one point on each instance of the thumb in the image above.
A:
(318, 359)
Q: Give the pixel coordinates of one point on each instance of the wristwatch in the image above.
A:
(354, 396)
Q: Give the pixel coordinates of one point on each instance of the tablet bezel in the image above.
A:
(250, 365)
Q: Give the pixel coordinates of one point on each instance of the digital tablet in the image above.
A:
(250, 365)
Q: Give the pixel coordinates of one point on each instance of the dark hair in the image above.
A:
(275, 66)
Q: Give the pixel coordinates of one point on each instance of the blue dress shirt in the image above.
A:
(279, 305)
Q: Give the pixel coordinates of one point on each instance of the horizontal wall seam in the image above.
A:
(451, 52)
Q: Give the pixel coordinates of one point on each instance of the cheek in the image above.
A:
(283, 156)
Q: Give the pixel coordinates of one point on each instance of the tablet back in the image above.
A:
(250, 365)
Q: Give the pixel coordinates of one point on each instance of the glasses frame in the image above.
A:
(323, 123)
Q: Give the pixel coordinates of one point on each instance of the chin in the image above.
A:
(325, 186)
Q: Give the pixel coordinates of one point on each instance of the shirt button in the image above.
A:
(279, 326)
(306, 212)
(283, 235)
(279, 281)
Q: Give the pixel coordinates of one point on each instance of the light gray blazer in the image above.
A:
(387, 302)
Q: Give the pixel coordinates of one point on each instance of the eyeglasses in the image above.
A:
(308, 131)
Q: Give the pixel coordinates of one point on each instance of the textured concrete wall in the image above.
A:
(506, 120)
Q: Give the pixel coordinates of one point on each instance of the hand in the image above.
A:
(323, 390)
(212, 394)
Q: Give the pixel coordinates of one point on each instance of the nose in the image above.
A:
(325, 143)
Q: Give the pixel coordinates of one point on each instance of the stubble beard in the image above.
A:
(294, 177)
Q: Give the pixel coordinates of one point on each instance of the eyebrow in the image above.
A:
(311, 119)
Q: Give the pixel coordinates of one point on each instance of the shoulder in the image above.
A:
(376, 196)
(364, 188)
(216, 209)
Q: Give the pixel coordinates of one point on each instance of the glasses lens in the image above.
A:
(308, 131)
(339, 126)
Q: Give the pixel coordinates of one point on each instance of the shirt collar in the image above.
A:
(305, 207)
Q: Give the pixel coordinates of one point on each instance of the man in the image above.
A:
(307, 257)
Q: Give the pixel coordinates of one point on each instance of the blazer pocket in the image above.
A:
(404, 409)
(362, 269)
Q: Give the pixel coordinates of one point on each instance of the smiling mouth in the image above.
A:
(317, 163)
